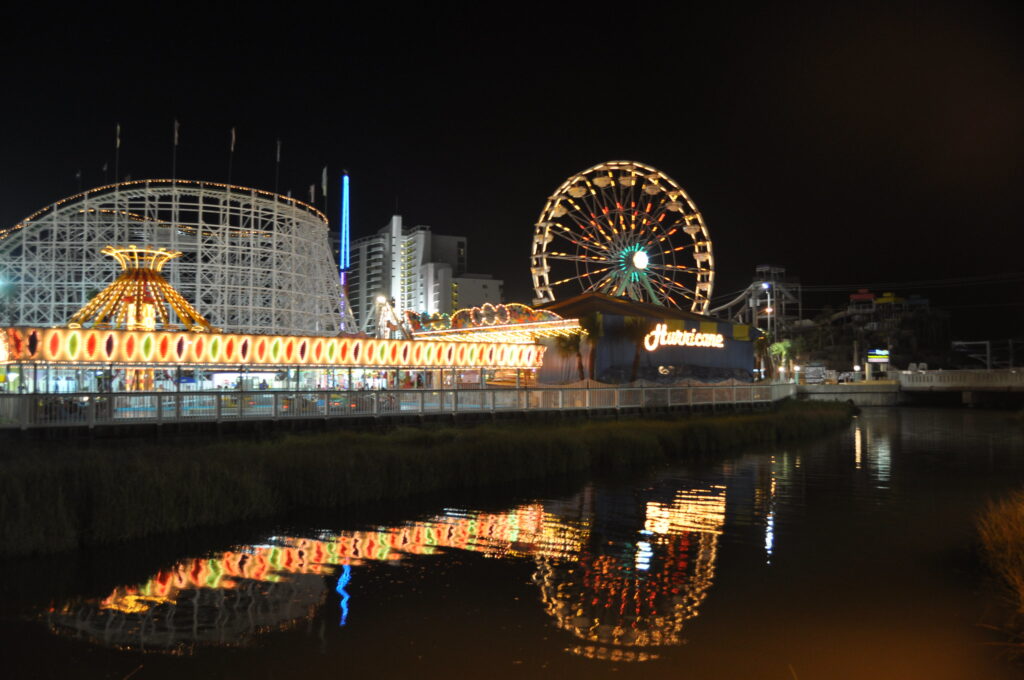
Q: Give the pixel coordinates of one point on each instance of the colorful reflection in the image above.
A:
(622, 587)
(229, 598)
(625, 598)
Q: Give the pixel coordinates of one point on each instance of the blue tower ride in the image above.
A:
(343, 241)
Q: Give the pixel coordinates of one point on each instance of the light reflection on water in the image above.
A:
(749, 552)
(621, 589)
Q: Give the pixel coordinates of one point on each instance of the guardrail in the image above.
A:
(24, 411)
(1004, 379)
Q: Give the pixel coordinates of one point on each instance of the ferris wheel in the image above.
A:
(623, 229)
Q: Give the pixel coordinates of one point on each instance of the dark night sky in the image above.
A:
(881, 143)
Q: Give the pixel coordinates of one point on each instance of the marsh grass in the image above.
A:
(52, 501)
(1001, 530)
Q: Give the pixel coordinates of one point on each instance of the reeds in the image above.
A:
(52, 501)
(1001, 528)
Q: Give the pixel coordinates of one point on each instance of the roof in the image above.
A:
(586, 303)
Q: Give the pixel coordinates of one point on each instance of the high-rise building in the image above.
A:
(414, 269)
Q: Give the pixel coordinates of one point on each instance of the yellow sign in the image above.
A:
(661, 336)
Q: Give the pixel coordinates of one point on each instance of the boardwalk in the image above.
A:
(26, 411)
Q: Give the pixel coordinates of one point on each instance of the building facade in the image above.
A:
(414, 269)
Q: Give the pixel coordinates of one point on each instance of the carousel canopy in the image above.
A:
(140, 299)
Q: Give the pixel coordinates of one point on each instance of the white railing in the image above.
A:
(91, 409)
(1004, 379)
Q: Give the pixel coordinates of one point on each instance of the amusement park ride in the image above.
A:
(140, 322)
(140, 297)
(624, 229)
(621, 229)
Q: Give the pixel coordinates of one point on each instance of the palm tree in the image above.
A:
(635, 329)
(763, 356)
(593, 325)
(781, 352)
(569, 345)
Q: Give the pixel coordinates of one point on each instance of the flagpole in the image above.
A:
(231, 154)
(277, 166)
(323, 187)
(117, 153)
(174, 153)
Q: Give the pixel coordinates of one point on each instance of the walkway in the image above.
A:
(25, 411)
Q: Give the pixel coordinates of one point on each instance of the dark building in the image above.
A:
(628, 340)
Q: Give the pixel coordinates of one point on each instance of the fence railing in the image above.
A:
(1002, 379)
(90, 408)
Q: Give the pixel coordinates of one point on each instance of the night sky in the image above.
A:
(876, 144)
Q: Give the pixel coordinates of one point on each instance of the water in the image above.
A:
(850, 557)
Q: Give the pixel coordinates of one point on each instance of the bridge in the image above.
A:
(92, 409)
(971, 386)
(1002, 380)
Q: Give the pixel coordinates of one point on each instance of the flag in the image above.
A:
(117, 137)
(312, 193)
(175, 132)
(279, 151)
(232, 140)
(323, 182)
(104, 167)
(78, 174)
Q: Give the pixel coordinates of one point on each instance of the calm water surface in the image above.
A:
(846, 558)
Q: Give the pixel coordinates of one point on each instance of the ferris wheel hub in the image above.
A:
(640, 259)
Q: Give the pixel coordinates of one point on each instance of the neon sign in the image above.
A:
(661, 336)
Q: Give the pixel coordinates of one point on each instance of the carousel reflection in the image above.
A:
(619, 573)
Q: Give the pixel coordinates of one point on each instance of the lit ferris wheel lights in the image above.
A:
(615, 229)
